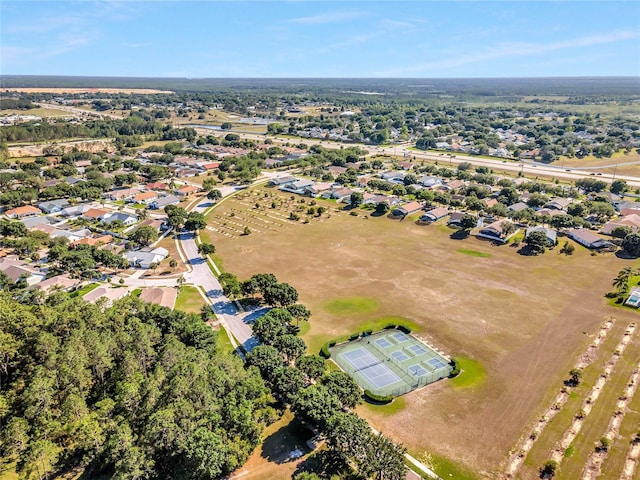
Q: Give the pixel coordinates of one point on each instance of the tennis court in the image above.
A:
(390, 362)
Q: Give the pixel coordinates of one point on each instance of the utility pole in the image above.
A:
(614, 172)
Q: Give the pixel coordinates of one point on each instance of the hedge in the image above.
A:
(366, 333)
(369, 395)
(324, 351)
(355, 336)
(456, 368)
(404, 329)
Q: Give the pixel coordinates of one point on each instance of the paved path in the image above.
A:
(235, 322)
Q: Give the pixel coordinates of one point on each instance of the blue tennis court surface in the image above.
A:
(400, 337)
(383, 343)
(400, 356)
(372, 369)
(417, 370)
(436, 363)
(390, 362)
(417, 349)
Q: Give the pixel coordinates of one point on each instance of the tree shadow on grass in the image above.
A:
(325, 464)
(459, 235)
(278, 446)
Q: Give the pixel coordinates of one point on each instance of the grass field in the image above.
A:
(189, 300)
(522, 319)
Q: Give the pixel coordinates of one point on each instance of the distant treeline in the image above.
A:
(420, 87)
(15, 104)
(108, 128)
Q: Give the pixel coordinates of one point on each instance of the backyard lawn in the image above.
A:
(189, 300)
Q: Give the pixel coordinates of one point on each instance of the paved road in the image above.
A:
(235, 322)
(401, 150)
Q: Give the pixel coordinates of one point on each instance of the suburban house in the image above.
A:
(299, 186)
(558, 203)
(106, 294)
(53, 206)
(187, 190)
(318, 189)
(375, 199)
(145, 197)
(495, 231)
(164, 201)
(16, 269)
(278, 181)
(125, 218)
(145, 257)
(430, 182)
(76, 210)
(551, 234)
(394, 177)
(434, 214)
(122, 194)
(630, 211)
(154, 223)
(587, 238)
(21, 212)
(517, 207)
(157, 186)
(163, 296)
(340, 194)
(489, 202)
(95, 214)
(454, 184)
(631, 221)
(60, 282)
(408, 209)
(93, 241)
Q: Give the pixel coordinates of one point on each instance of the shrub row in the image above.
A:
(456, 368)
(369, 395)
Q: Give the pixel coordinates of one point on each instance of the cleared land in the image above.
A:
(522, 319)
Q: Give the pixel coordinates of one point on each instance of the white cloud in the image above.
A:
(519, 49)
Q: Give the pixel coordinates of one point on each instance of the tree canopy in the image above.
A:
(132, 391)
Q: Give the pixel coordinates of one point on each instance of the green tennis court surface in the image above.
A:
(390, 362)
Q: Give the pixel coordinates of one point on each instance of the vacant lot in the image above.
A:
(523, 319)
(189, 300)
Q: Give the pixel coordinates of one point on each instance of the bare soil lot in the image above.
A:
(524, 319)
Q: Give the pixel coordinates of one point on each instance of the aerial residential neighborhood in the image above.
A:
(319, 240)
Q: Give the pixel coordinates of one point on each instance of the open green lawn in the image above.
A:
(189, 300)
(82, 291)
(351, 306)
(472, 373)
(474, 253)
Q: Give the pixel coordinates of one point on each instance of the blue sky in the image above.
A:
(320, 39)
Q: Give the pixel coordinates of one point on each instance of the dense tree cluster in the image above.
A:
(133, 391)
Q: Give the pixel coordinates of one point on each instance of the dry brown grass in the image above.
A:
(523, 318)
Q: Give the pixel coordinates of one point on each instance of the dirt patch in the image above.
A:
(525, 327)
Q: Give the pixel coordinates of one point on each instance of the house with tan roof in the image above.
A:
(632, 221)
(95, 214)
(122, 194)
(59, 282)
(434, 214)
(497, 231)
(163, 296)
(408, 209)
(587, 238)
(187, 190)
(106, 294)
(145, 197)
(22, 212)
(16, 269)
(93, 241)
